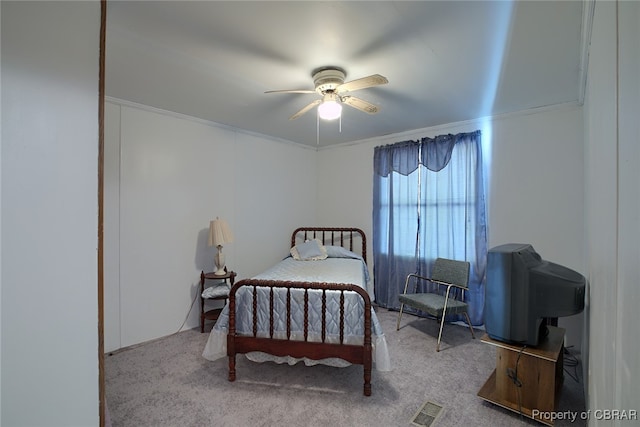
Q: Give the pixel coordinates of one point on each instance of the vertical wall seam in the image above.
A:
(617, 322)
(119, 198)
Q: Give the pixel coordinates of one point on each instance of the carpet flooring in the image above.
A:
(166, 382)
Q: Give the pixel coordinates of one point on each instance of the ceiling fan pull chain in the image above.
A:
(317, 129)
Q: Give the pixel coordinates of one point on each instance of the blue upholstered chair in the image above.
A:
(446, 273)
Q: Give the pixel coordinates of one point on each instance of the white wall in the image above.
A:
(628, 293)
(612, 132)
(535, 184)
(49, 197)
(167, 176)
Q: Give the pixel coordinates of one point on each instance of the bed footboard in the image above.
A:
(360, 354)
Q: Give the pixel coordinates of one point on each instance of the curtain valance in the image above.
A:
(401, 157)
(404, 157)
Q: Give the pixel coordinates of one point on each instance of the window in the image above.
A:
(428, 202)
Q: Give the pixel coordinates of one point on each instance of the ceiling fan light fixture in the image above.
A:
(330, 109)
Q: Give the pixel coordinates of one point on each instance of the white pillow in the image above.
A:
(216, 291)
(311, 250)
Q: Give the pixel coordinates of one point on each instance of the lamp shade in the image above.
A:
(219, 232)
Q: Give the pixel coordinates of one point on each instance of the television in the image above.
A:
(523, 292)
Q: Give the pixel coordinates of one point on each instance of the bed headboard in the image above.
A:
(350, 238)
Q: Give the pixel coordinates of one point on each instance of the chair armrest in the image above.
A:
(451, 285)
(417, 277)
(437, 282)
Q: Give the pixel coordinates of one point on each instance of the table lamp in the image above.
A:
(219, 234)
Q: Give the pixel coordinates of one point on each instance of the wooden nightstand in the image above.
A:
(214, 313)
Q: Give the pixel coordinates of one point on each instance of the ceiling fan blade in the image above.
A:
(305, 109)
(291, 91)
(365, 82)
(360, 104)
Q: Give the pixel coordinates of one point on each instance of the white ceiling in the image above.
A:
(446, 61)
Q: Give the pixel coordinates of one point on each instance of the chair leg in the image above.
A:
(440, 333)
(470, 327)
(399, 317)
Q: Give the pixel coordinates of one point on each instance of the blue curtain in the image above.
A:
(429, 202)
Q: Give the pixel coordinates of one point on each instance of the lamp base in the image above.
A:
(218, 260)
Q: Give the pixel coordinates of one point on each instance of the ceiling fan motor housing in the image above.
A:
(328, 79)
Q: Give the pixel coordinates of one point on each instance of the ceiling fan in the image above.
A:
(330, 85)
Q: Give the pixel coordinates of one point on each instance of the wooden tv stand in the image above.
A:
(539, 372)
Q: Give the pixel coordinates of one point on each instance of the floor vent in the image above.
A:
(426, 415)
